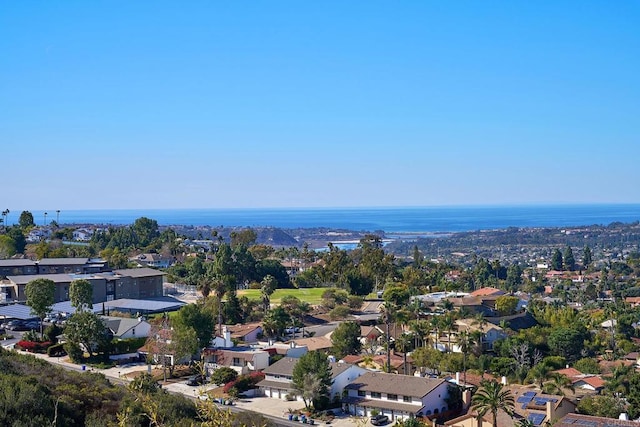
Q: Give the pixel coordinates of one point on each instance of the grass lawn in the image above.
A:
(311, 295)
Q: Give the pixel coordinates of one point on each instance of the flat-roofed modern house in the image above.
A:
(62, 281)
(138, 283)
(397, 396)
(15, 267)
(62, 265)
(133, 283)
(18, 267)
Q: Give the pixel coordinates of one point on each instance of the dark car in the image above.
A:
(379, 420)
(197, 380)
(16, 325)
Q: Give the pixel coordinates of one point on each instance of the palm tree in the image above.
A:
(403, 343)
(558, 384)
(492, 397)
(480, 321)
(435, 325)
(464, 343)
(540, 373)
(449, 325)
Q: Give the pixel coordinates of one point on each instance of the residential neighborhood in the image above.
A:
(403, 340)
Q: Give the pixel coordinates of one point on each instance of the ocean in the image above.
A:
(391, 220)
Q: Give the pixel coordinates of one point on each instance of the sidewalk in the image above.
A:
(263, 405)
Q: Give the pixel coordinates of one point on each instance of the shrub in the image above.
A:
(244, 383)
(339, 312)
(223, 375)
(127, 345)
(56, 350)
(74, 351)
(33, 346)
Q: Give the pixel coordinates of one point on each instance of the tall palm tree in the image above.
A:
(435, 326)
(448, 325)
(403, 343)
(464, 343)
(480, 321)
(492, 397)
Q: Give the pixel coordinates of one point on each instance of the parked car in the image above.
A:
(197, 380)
(379, 420)
(17, 325)
(34, 325)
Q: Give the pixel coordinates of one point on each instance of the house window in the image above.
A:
(392, 397)
(236, 361)
(376, 395)
(406, 399)
(362, 393)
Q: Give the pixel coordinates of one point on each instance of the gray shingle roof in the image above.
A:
(402, 385)
(139, 272)
(16, 263)
(24, 279)
(63, 261)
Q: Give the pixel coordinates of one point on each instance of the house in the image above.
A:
(127, 328)
(488, 291)
(17, 267)
(82, 234)
(286, 350)
(314, 343)
(378, 362)
(574, 420)
(278, 379)
(248, 333)
(241, 359)
(136, 283)
(490, 332)
(396, 396)
(580, 381)
(538, 408)
(152, 260)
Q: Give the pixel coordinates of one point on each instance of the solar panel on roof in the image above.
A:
(536, 419)
(524, 399)
(529, 393)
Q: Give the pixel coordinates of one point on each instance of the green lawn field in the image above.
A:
(310, 295)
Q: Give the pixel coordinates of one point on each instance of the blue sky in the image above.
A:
(305, 104)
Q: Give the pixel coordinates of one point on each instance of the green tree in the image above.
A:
(18, 238)
(566, 342)
(601, 406)
(556, 260)
(506, 304)
(569, 260)
(200, 319)
(184, 344)
(587, 257)
(587, 366)
(312, 378)
(346, 339)
(246, 238)
(40, 295)
(88, 329)
(492, 397)
(223, 375)
(514, 277)
(145, 231)
(267, 288)
(26, 220)
(7, 247)
(81, 294)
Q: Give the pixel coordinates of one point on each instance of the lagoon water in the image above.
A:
(391, 220)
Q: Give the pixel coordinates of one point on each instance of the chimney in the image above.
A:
(466, 399)
(458, 378)
(227, 338)
(624, 416)
(504, 381)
